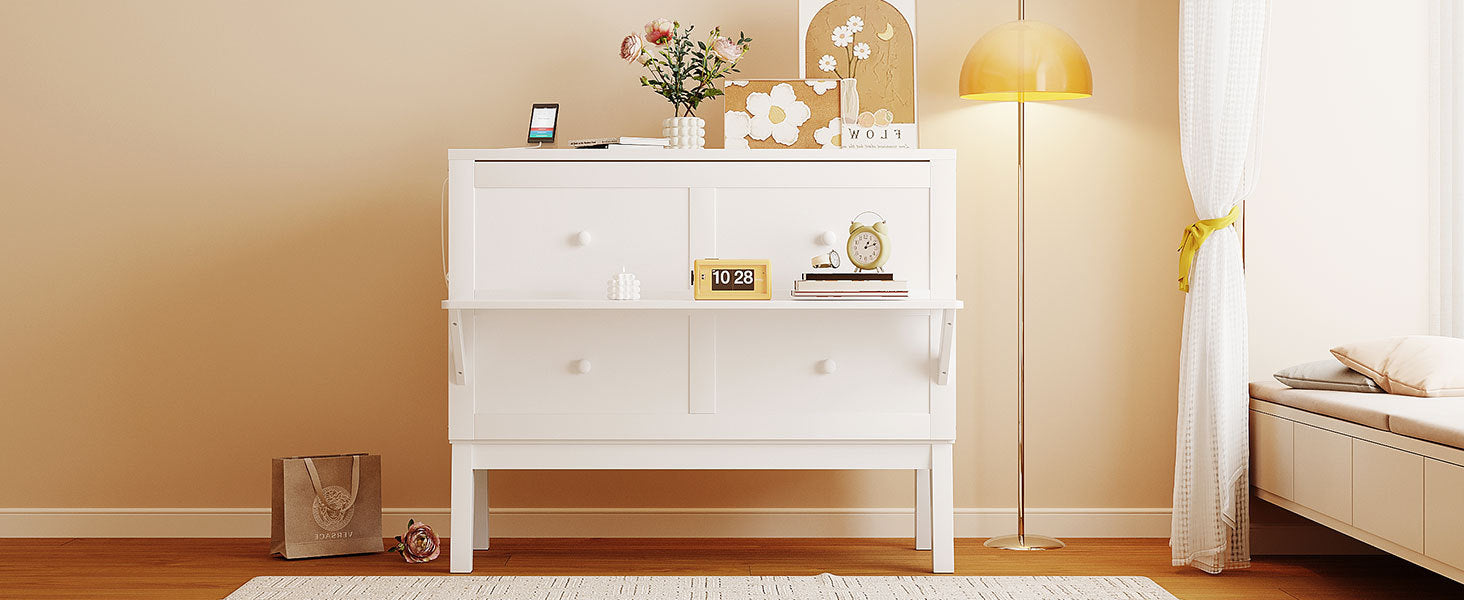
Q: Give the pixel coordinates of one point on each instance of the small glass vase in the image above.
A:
(685, 132)
(849, 100)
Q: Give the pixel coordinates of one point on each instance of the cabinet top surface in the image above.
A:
(780, 304)
(663, 154)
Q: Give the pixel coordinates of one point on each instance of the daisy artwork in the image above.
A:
(782, 113)
(870, 46)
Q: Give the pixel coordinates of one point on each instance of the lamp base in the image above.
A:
(1024, 542)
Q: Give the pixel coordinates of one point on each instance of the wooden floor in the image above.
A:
(211, 568)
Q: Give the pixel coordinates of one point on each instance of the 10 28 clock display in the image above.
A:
(732, 279)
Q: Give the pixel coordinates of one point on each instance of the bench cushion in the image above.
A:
(1438, 420)
(1440, 423)
(1362, 408)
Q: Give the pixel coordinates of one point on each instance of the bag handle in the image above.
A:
(355, 480)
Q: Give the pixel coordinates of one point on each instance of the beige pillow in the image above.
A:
(1415, 365)
(1326, 374)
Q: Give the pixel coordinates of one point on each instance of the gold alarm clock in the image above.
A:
(869, 245)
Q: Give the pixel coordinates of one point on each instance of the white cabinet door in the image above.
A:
(823, 363)
(1387, 499)
(580, 362)
(1443, 510)
(1323, 471)
(568, 242)
(1271, 454)
(785, 225)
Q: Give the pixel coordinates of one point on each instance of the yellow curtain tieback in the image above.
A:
(1194, 237)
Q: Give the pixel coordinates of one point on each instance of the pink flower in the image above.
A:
(658, 31)
(418, 544)
(631, 48)
(726, 50)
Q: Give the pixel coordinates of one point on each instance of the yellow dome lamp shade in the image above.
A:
(1026, 61)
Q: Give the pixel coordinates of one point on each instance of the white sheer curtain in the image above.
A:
(1220, 74)
(1447, 150)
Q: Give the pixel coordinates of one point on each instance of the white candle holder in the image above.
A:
(623, 286)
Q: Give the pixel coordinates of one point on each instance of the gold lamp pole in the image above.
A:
(1024, 61)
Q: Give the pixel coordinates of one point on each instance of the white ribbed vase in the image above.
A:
(685, 132)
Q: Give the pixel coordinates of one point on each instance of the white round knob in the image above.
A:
(827, 366)
(582, 366)
(828, 238)
(583, 238)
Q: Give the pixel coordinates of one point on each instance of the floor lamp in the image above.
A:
(1024, 61)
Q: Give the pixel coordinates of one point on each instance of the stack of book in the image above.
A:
(862, 286)
(612, 143)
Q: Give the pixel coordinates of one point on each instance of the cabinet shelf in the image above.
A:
(911, 304)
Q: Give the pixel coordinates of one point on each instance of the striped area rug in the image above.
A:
(821, 587)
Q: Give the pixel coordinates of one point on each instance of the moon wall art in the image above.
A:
(870, 45)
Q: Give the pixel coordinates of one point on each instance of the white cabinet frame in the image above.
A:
(702, 438)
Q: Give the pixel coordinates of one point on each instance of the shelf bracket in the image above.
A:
(947, 343)
(455, 346)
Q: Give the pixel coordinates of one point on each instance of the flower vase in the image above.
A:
(685, 132)
(849, 100)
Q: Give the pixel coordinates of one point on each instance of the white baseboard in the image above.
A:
(600, 522)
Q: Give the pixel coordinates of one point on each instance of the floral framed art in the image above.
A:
(783, 113)
(870, 46)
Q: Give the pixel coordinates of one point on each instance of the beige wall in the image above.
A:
(1337, 244)
(219, 234)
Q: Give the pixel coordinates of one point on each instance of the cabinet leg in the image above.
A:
(942, 510)
(922, 509)
(480, 510)
(461, 546)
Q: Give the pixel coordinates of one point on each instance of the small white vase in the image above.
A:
(685, 132)
(849, 100)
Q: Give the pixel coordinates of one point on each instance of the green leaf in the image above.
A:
(411, 522)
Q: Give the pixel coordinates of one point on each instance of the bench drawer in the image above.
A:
(1443, 512)
(1323, 471)
(1388, 498)
(1272, 454)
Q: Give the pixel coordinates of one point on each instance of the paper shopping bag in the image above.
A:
(326, 505)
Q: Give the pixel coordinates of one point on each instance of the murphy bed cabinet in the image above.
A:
(546, 373)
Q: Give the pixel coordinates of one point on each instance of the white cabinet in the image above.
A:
(547, 373)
